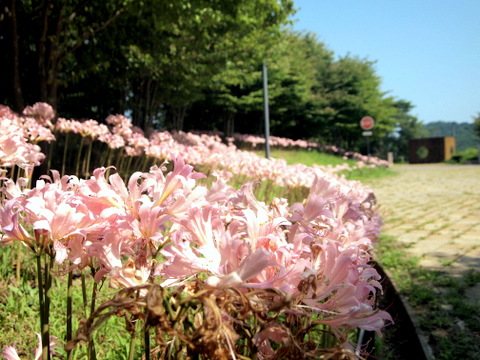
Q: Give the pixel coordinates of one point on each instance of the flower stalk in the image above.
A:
(69, 334)
(44, 283)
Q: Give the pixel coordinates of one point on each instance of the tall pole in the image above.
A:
(265, 111)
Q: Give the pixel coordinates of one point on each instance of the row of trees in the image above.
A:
(188, 64)
(476, 124)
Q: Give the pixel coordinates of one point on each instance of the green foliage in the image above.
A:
(193, 65)
(306, 157)
(19, 312)
(311, 158)
(353, 91)
(367, 174)
(438, 299)
(476, 125)
(464, 133)
(407, 127)
(42, 43)
(467, 155)
(472, 277)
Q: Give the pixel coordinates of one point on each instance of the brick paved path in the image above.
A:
(435, 210)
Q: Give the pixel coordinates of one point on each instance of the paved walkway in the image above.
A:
(434, 209)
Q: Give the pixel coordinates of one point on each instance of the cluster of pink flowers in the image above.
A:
(319, 251)
(19, 135)
(198, 149)
(164, 227)
(255, 140)
(364, 161)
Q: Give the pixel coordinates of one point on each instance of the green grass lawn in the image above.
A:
(306, 157)
(445, 316)
(314, 157)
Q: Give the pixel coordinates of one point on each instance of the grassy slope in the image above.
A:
(311, 158)
(308, 158)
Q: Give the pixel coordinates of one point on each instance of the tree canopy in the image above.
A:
(189, 64)
(476, 124)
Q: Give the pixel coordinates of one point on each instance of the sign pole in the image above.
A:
(367, 123)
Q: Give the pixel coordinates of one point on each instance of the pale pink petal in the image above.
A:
(10, 353)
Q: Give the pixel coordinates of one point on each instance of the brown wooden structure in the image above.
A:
(431, 150)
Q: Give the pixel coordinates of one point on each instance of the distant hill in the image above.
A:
(463, 132)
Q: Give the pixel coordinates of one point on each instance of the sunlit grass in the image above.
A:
(19, 313)
(439, 300)
(306, 157)
(314, 157)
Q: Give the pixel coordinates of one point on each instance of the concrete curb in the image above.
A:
(405, 309)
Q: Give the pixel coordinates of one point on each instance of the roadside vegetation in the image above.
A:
(469, 155)
(183, 257)
(438, 299)
(177, 67)
(445, 317)
(311, 158)
(184, 65)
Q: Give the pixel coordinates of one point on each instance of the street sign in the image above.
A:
(367, 123)
(367, 133)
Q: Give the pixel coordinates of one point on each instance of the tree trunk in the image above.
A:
(148, 102)
(42, 53)
(153, 107)
(18, 101)
(54, 60)
(229, 124)
(178, 116)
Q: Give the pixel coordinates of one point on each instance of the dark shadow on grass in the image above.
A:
(400, 340)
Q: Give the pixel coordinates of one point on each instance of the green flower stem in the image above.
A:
(16, 172)
(41, 305)
(79, 156)
(121, 156)
(147, 343)
(86, 172)
(44, 284)
(92, 354)
(50, 145)
(108, 162)
(48, 286)
(126, 171)
(69, 314)
(84, 294)
(146, 163)
(65, 148)
(18, 267)
(107, 156)
(131, 350)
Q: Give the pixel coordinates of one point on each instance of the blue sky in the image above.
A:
(426, 51)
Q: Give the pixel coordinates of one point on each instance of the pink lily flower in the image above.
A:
(10, 353)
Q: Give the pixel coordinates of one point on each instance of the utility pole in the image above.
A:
(266, 112)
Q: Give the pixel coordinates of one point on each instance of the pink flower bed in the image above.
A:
(196, 148)
(164, 228)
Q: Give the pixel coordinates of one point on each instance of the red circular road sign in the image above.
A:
(367, 123)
